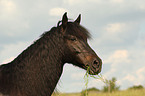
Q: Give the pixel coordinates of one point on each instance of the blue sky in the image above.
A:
(117, 28)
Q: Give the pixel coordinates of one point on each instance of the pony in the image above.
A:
(37, 70)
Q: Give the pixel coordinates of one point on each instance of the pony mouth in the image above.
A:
(92, 71)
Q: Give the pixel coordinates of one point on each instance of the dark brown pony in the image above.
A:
(36, 71)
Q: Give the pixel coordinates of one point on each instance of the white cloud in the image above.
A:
(73, 2)
(134, 77)
(118, 59)
(77, 76)
(8, 60)
(57, 11)
(116, 1)
(129, 77)
(119, 32)
(12, 50)
(118, 56)
(77, 84)
(96, 1)
(95, 83)
(142, 7)
(140, 75)
(115, 27)
(7, 8)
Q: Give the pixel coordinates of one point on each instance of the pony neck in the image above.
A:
(40, 66)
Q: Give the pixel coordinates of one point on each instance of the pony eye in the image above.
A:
(73, 39)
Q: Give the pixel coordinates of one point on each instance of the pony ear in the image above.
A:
(64, 20)
(78, 20)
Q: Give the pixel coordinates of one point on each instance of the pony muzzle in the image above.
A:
(95, 65)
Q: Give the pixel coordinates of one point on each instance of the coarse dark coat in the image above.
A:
(36, 71)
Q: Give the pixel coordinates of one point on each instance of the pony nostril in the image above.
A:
(96, 64)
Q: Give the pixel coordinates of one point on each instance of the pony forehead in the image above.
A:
(77, 30)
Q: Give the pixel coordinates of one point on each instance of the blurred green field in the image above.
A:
(139, 92)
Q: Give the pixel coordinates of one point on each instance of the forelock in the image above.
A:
(77, 30)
